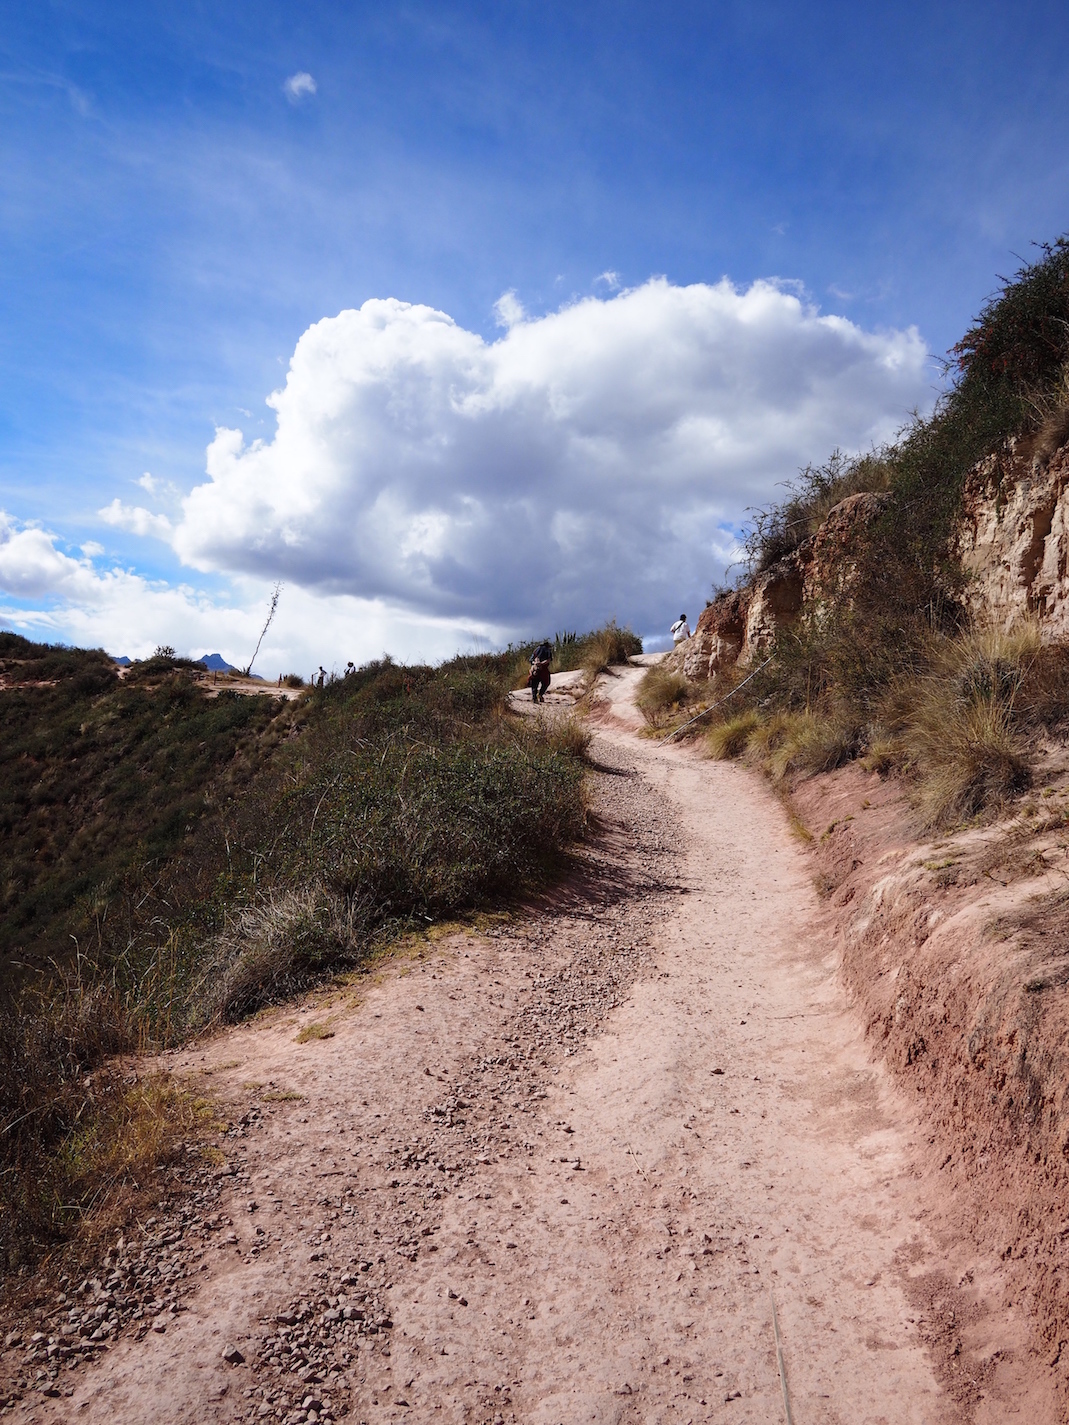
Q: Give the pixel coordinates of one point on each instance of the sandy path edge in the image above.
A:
(556, 1173)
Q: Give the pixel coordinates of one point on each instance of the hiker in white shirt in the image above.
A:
(680, 630)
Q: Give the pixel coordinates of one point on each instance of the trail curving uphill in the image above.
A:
(557, 1171)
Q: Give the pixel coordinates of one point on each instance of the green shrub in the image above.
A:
(778, 530)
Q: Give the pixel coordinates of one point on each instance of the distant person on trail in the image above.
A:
(680, 629)
(538, 679)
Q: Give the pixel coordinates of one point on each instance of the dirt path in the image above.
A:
(556, 1172)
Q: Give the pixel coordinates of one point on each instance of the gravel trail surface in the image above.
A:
(553, 1171)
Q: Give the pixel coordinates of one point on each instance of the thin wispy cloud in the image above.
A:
(299, 86)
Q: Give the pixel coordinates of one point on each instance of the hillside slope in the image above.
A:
(556, 1169)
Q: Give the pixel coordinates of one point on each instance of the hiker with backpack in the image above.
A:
(538, 678)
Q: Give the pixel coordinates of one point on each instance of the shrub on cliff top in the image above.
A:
(854, 660)
(1008, 378)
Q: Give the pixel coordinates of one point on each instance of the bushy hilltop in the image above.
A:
(172, 858)
(859, 626)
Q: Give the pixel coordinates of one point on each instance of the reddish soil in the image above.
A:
(558, 1170)
(956, 953)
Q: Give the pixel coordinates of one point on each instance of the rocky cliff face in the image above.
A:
(739, 626)
(1013, 539)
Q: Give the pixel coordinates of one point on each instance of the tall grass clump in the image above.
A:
(730, 738)
(608, 647)
(662, 692)
(959, 727)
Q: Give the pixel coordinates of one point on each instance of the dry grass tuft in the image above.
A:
(787, 743)
(662, 692)
(957, 725)
(966, 758)
(137, 1128)
(883, 754)
(270, 948)
(314, 1031)
(811, 744)
(108, 1138)
(568, 735)
(729, 739)
(608, 647)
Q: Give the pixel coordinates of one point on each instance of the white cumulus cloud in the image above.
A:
(298, 85)
(55, 597)
(588, 463)
(135, 518)
(509, 310)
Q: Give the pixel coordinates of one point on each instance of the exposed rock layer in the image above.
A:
(739, 626)
(1013, 539)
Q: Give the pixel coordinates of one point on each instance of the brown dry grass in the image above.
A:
(607, 647)
(957, 725)
(125, 1131)
(729, 739)
(314, 1031)
(661, 692)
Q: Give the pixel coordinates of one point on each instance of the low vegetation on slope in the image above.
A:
(174, 860)
(883, 662)
(101, 779)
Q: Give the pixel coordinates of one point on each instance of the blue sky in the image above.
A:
(172, 222)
